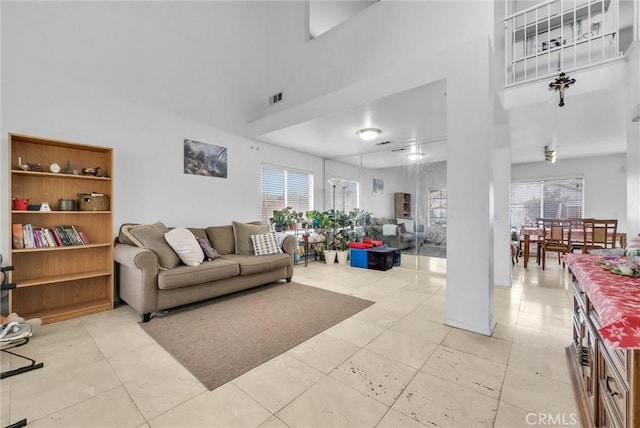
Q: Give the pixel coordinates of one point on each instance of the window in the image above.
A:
(546, 198)
(438, 208)
(281, 187)
(347, 197)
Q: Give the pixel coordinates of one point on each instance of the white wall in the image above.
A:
(140, 77)
(383, 38)
(605, 188)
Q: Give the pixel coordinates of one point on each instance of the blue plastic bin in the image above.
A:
(358, 257)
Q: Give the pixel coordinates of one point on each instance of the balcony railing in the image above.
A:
(560, 35)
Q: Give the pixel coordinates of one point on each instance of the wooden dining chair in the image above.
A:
(577, 237)
(533, 240)
(557, 238)
(599, 234)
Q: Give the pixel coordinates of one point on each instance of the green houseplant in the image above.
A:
(281, 219)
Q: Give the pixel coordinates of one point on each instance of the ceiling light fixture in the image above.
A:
(415, 156)
(368, 134)
(549, 155)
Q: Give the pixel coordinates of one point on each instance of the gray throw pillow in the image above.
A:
(210, 252)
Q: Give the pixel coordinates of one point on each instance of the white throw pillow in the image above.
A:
(265, 243)
(185, 244)
(408, 224)
(389, 229)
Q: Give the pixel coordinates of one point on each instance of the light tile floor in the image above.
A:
(395, 364)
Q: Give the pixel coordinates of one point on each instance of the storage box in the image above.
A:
(380, 258)
(90, 202)
(396, 256)
(358, 258)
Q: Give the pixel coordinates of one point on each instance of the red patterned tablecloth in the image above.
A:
(615, 298)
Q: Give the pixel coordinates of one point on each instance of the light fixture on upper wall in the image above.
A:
(549, 155)
(415, 156)
(368, 134)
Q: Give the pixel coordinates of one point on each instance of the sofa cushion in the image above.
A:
(125, 236)
(266, 243)
(251, 265)
(183, 276)
(185, 245)
(221, 238)
(242, 233)
(152, 237)
(198, 232)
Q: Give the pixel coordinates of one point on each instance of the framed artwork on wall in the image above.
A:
(378, 186)
(205, 159)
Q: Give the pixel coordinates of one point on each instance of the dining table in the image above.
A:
(577, 236)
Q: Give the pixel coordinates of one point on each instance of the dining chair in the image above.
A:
(577, 237)
(557, 238)
(533, 240)
(599, 234)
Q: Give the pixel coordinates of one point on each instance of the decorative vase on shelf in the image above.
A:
(343, 257)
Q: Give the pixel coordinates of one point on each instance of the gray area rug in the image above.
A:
(222, 338)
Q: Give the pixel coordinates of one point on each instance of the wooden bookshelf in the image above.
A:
(61, 282)
(403, 205)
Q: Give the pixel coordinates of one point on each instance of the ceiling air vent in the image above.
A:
(398, 150)
(275, 98)
(383, 143)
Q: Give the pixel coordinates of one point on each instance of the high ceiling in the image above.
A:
(590, 124)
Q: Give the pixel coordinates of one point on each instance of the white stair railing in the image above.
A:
(560, 35)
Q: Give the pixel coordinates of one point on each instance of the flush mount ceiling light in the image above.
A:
(549, 155)
(368, 134)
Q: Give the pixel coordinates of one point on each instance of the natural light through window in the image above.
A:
(284, 187)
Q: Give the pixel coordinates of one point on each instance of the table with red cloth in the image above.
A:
(616, 299)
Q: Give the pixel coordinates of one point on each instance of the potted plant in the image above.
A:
(313, 218)
(283, 219)
(344, 224)
(295, 218)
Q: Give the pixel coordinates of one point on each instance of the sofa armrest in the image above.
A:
(135, 257)
(289, 244)
(138, 277)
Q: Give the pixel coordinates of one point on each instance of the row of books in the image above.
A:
(28, 236)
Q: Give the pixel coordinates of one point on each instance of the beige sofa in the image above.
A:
(149, 280)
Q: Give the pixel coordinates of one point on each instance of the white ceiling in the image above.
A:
(590, 124)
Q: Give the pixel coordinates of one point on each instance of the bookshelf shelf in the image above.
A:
(63, 248)
(52, 283)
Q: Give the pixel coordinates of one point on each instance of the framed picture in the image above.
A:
(205, 159)
(378, 186)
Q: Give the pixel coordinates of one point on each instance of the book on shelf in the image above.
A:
(49, 237)
(56, 237)
(84, 237)
(73, 235)
(27, 230)
(27, 236)
(17, 236)
(63, 236)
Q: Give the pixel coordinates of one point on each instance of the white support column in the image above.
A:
(502, 224)
(633, 140)
(469, 182)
